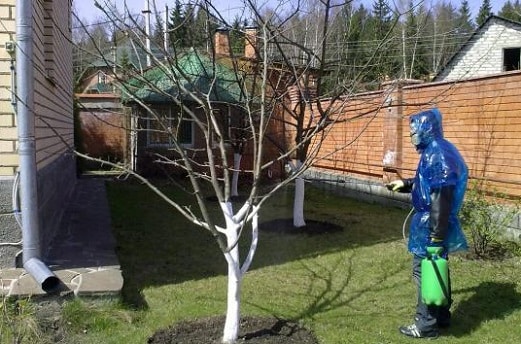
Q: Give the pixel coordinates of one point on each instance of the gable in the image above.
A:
(483, 54)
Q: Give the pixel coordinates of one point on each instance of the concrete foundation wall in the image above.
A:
(366, 190)
(10, 232)
(56, 183)
(376, 192)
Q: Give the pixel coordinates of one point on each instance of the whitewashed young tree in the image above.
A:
(230, 104)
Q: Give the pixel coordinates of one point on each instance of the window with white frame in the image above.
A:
(166, 126)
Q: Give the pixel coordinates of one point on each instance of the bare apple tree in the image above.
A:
(198, 106)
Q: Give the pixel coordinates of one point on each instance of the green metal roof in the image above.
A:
(191, 74)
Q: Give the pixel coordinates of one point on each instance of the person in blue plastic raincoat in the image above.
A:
(437, 192)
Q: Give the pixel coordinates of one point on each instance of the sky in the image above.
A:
(87, 10)
(228, 8)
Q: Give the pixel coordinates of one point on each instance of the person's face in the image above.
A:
(415, 137)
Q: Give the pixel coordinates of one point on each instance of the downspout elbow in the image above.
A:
(45, 278)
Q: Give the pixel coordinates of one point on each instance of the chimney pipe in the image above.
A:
(250, 43)
(222, 42)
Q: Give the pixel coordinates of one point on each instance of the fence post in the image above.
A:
(393, 127)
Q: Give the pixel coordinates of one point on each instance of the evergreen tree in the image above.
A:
(511, 11)
(464, 24)
(158, 34)
(237, 36)
(382, 66)
(203, 28)
(189, 24)
(485, 11)
(349, 57)
(177, 27)
(414, 59)
(382, 19)
(451, 28)
(125, 65)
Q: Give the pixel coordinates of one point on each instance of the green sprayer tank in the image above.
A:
(434, 278)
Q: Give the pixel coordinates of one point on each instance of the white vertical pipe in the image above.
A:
(147, 31)
(165, 31)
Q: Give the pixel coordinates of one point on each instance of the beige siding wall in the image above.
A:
(8, 133)
(53, 83)
(53, 80)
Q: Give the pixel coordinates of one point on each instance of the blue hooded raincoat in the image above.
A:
(440, 165)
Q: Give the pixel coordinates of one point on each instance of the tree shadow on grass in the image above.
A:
(312, 227)
(491, 300)
(157, 246)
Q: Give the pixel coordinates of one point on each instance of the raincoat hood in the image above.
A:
(425, 127)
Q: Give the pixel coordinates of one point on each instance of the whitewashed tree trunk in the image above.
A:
(235, 177)
(235, 272)
(231, 326)
(298, 201)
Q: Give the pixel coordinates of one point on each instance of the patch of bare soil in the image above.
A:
(253, 330)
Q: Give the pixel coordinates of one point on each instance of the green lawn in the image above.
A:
(348, 287)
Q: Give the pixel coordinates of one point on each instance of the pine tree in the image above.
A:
(176, 26)
(347, 55)
(158, 35)
(237, 36)
(511, 11)
(125, 65)
(414, 56)
(464, 24)
(188, 23)
(445, 35)
(485, 11)
(381, 24)
(203, 28)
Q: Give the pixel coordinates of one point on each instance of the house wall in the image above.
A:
(54, 113)
(481, 116)
(56, 175)
(147, 154)
(483, 55)
(90, 84)
(8, 133)
(10, 231)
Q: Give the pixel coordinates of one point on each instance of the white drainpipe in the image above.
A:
(27, 149)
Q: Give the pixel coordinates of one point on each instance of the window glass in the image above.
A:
(511, 57)
(164, 127)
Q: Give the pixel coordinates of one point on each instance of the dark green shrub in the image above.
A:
(485, 218)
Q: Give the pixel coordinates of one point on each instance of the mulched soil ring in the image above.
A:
(285, 226)
(253, 330)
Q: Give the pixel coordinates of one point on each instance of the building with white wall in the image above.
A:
(495, 47)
